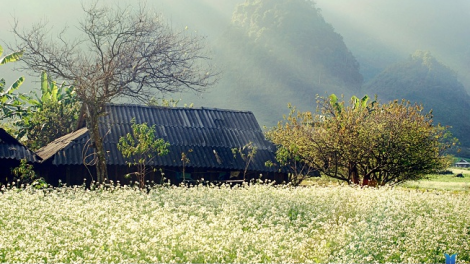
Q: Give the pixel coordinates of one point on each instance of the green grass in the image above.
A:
(321, 181)
(448, 182)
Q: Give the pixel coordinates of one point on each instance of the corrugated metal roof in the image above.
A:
(206, 135)
(10, 148)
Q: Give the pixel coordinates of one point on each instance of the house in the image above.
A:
(207, 137)
(462, 164)
(11, 153)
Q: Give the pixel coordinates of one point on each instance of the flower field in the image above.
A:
(254, 223)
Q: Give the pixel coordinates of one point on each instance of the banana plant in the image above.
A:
(356, 104)
(337, 106)
(49, 114)
(51, 93)
(38, 119)
(11, 57)
(10, 103)
(361, 104)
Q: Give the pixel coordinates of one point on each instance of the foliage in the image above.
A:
(117, 52)
(248, 224)
(167, 103)
(364, 143)
(10, 57)
(38, 119)
(247, 153)
(289, 156)
(9, 101)
(24, 173)
(142, 146)
(49, 116)
(185, 161)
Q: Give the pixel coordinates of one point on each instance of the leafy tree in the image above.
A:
(24, 173)
(365, 143)
(39, 119)
(120, 52)
(51, 115)
(288, 154)
(142, 146)
(42, 119)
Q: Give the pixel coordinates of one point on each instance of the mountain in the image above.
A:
(277, 52)
(380, 33)
(423, 79)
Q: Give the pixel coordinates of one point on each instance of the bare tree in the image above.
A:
(120, 52)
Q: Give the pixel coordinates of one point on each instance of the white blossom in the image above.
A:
(252, 223)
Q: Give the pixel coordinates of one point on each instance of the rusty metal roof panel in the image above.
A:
(69, 149)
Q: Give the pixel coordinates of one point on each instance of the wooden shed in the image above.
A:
(206, 136)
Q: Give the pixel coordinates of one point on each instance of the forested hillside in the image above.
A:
(423, 79)
(279, 52)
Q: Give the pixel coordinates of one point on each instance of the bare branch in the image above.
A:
(120, 53)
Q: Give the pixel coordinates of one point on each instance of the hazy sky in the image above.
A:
(401, 23)
(206, 17)
(404, 26)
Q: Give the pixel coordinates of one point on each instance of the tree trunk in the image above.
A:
(370, 181)
(92, 119)
(353, 173)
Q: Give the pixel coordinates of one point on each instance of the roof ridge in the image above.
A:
(179, 107)
(7, 139)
